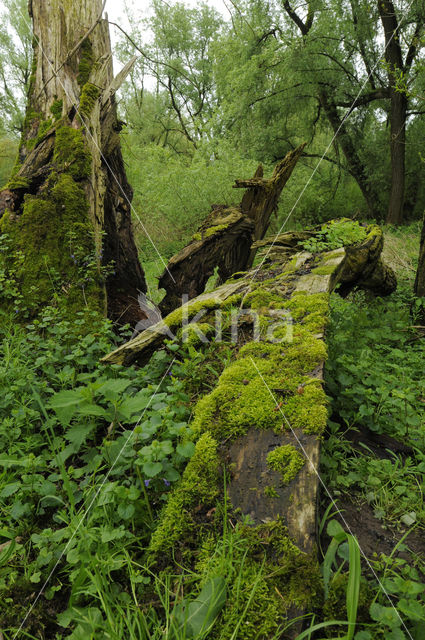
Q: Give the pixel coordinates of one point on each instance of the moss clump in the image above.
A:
(195, 332)
(199, 486)
(86, 62)
(215, 229)
(324, 270)
(189, 310)
(40, 235)
(56, 109)
(71, 153)
(89, 95)
(241, 399)
(335, 606)
(18, 182)
(271, 492)
(271, 576)
(287, 460)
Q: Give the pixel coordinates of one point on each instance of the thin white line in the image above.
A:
(55, 74)
(329, 495)
(346, 116)
(91, 504)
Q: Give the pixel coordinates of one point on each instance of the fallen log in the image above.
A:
(258, 432)
(225, 238)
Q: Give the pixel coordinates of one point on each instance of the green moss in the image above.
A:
(242, 400)
(71, 153)
(56, 109)
(86, 62)
(18, 182)
(194, 332)
(189, 310)
(263, 299)
(215, 229)
(287, 460)
(270, 492)
(324, 271)
(335, 606)
(40, 236)
(89, 95)
(271, 576)
(199, 487)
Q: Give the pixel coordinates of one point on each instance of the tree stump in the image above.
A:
(66, 208)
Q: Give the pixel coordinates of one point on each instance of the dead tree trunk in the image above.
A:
(66, 208)
(261, 427)
(225, 238)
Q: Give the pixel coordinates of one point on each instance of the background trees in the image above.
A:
(210, 96)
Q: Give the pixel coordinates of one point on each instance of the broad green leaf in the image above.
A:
(186, 450)
(10, 489)
(197, 617)
(151, 469)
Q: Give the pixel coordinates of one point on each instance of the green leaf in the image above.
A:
(385, 615)
(197, 617)
(186, 450)
(131, 406)
(65, 404)
(413, 609)
(126, 511)
(10, 489)
(36, 577)
(93, 410)
(151, 469)
(409, 518)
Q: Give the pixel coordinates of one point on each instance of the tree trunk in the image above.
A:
(394, 60)
(225, 237)
(398, 154)
(355, 166)
(67, 208)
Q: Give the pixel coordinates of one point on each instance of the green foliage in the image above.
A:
(84, 445)
(374, 373)
(335, 234)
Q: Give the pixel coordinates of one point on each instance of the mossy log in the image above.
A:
(225, 238)
(67, 204)
(258, 432)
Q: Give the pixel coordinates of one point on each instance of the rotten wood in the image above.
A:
(73, 73)
(224, 240)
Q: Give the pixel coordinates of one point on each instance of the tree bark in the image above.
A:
(398, 110)
(224, 239)
(355, 166)
(67, 206)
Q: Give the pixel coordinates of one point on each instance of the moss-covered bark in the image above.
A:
(66, 209)
(251, 486)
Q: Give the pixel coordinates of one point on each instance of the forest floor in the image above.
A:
(373, 457)
(64, 419)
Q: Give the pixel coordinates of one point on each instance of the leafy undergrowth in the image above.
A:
(373, 458)
(89, 454)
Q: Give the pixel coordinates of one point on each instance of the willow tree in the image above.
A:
(66, 212)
